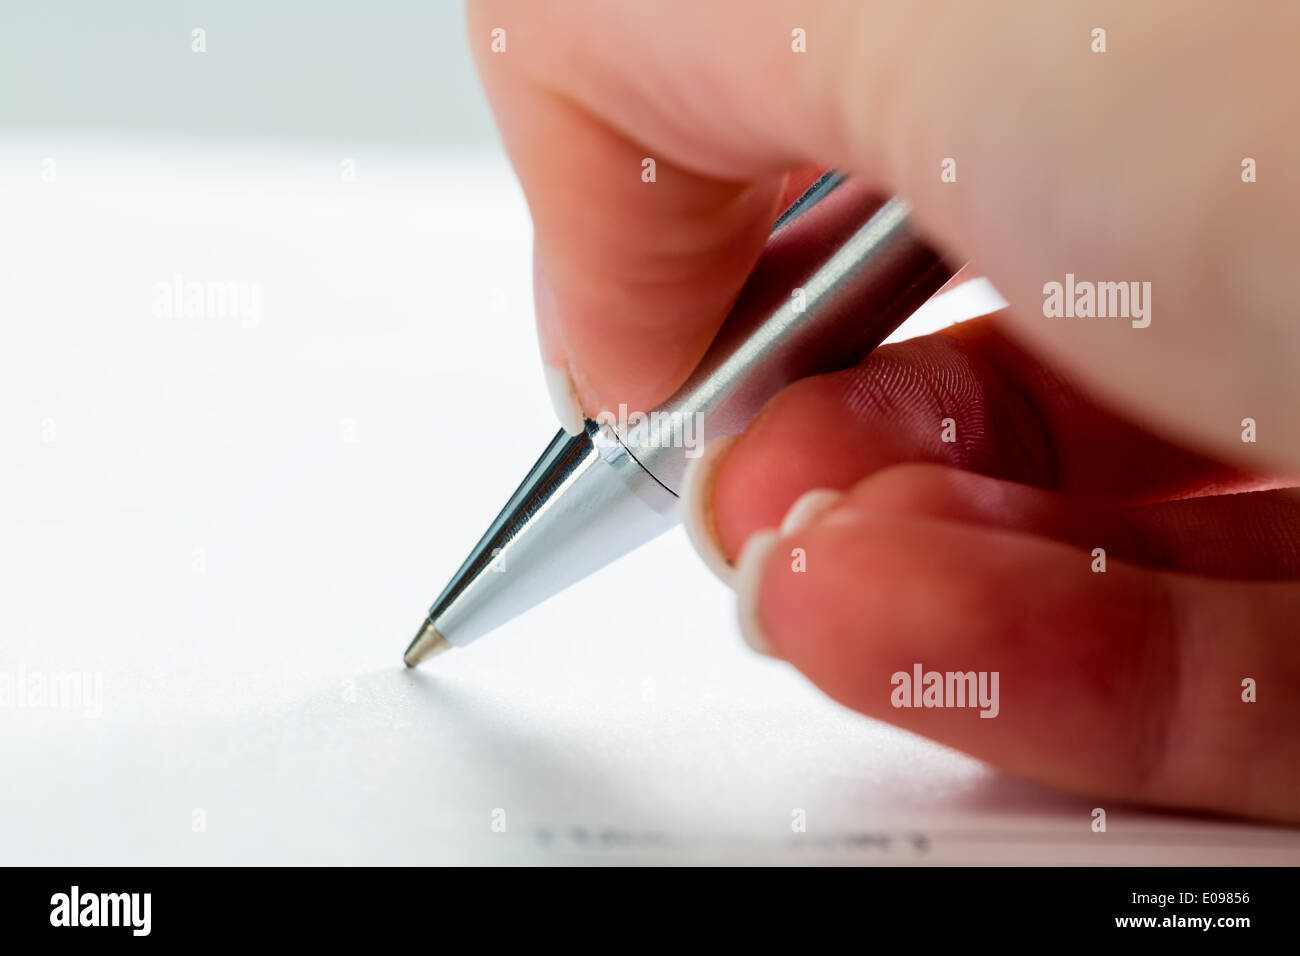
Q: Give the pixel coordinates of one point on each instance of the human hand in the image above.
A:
(1070, 434)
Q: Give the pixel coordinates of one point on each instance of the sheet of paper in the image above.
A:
(222, 523)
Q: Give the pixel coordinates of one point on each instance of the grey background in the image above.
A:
(382, 70)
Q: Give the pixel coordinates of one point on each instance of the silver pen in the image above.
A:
(840, 271)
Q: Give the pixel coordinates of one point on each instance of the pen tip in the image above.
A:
(427, 642)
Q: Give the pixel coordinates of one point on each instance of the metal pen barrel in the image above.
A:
(841, 270)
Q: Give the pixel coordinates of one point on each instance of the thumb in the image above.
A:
(628, 300)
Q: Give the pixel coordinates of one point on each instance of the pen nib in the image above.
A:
(427, 643)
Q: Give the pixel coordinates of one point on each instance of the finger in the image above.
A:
(1253, 535)
(1126, 684)
(635, 265)
(967, 397)
(724, 101)
(695, 280)
(683, 242)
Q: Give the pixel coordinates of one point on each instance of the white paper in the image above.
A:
(234, 524)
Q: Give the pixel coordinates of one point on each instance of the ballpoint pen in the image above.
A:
(840, 271)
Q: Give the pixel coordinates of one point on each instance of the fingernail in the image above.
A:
(808, 507)
(749, 574)
(697, 509)
(564, 398)
(559, 381)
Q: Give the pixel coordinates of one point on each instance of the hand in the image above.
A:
(1075, 440)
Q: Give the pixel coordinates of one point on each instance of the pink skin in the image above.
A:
(1071, 434)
